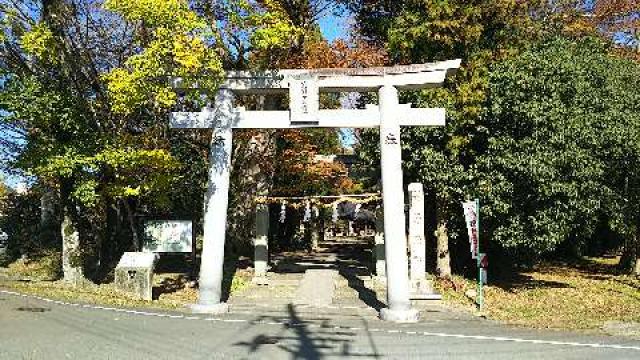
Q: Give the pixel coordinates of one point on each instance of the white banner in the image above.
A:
(471, 219)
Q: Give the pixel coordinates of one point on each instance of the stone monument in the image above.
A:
(134, 274)
(4, 244)
(420, 286)
(381, 265)
(261, 245)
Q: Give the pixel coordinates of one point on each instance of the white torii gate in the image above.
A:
(304, 87)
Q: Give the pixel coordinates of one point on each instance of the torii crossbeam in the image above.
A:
(304, 88)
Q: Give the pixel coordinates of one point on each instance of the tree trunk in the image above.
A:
(72, 267)
(132, 225)
(49, 221)
(443, 260)
(635, 251)
(630, 259)
(109, 246)
(251, 176)
(72, 256)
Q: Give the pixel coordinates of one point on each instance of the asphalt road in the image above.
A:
(32, 328)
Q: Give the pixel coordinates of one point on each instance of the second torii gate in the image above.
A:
(304, 87)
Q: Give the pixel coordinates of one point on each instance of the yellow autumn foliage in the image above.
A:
(175, 44)
(40, 43)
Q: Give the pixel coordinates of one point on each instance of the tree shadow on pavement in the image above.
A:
(308, 339)
(368, 296)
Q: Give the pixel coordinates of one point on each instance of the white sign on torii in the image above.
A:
(304, 87)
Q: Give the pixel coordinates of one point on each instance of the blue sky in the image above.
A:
(334, 27)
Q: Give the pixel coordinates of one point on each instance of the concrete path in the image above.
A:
(316, 287)
(36, 329)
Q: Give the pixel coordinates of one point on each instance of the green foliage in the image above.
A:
(63, 144)
(134, 173)
(450, 161)
(564, 125)
(256, 34)
(438, 29)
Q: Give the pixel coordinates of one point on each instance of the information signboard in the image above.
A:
(168, 236)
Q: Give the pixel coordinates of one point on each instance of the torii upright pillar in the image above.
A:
(215, 210)
(304, 87)
(398, 303)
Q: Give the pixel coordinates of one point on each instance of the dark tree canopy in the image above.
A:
(562, 153)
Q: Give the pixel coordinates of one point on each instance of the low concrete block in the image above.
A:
(134, 274)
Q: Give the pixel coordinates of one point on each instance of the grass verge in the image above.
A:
(585, 295)
(171, 291)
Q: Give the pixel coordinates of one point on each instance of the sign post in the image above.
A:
(480, 258)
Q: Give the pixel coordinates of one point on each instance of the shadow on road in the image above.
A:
(308, 339)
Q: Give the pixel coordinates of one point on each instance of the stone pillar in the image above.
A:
(72, 259)
(4, 244)
(420, 287)
(215, 209)
(398, 304)
(261, 145)
(380, 262)
(316, 228)
(261, 245)
(416, 234)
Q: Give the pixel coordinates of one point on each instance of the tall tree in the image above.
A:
(563, 148)
(91, 101)
(479, 32)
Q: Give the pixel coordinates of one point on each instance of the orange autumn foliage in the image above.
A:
(302, 173)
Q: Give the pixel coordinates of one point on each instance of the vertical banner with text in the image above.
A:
(472, 219)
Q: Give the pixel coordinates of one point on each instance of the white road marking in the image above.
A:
(389, 331)
(532, 341)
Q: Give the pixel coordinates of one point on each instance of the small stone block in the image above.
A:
(134, 274)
